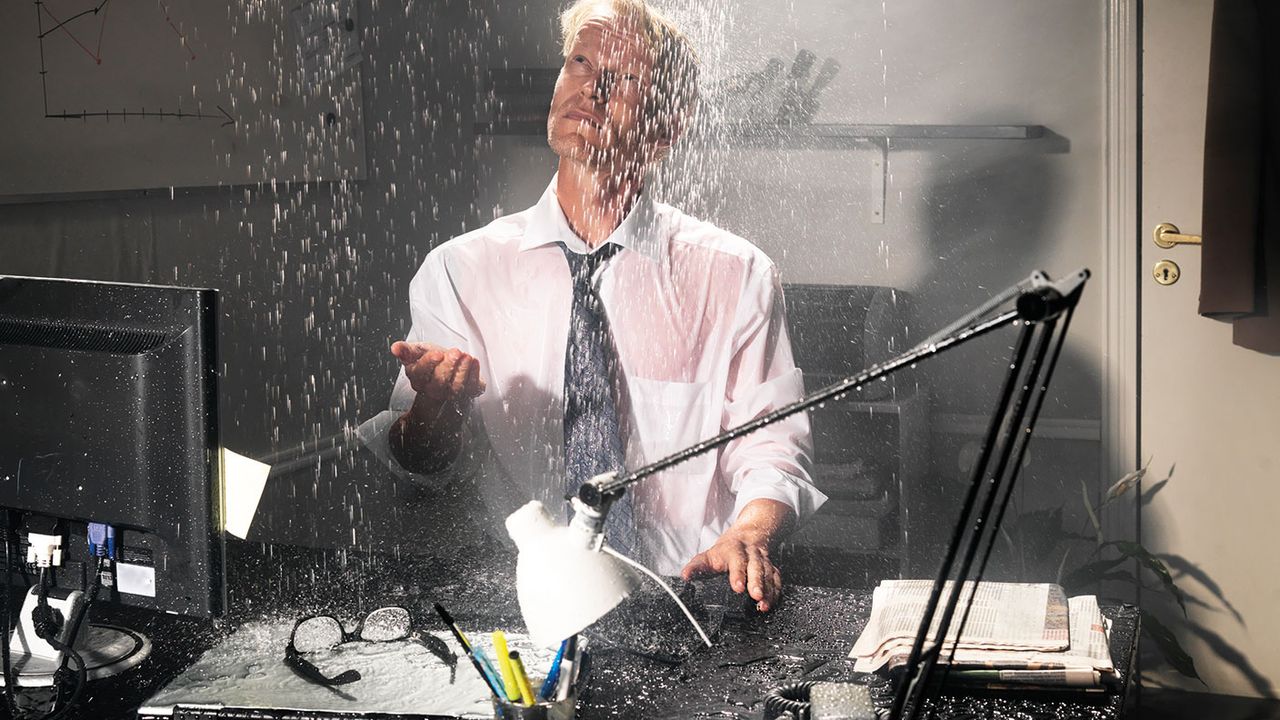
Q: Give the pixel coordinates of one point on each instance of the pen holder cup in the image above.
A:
(565, 709)
(555, 710)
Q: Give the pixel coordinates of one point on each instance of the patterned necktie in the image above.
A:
(593, 441)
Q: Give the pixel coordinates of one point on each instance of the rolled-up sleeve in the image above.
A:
(438, 318)
(774, 462)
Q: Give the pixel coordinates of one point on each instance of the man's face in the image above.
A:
(597, 111)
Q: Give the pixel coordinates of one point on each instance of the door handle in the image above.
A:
(1167, 235)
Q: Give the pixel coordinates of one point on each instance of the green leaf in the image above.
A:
(1062, 565)
(1170, 648)
(1088, 507)
(1125, 484)
(1008, 540)
(1155, 565)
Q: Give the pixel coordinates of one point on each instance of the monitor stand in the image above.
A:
(106, 649)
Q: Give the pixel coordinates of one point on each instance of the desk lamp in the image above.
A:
(567, 577)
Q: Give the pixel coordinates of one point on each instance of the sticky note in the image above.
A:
(242, 482)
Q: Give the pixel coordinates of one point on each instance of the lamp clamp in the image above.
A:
(1048, 300)
(601, 491)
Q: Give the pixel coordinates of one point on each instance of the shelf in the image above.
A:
(813, 134)
(922, 132)
(524, 93)
(819, 136)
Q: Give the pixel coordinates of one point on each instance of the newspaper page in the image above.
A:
(1085, 663)
(1004, 616)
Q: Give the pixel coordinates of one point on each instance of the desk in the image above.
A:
(673, 677)
(808, 638)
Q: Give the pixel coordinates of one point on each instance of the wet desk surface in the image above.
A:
(647, 661)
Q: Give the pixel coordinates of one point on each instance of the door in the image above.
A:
(1207, 407)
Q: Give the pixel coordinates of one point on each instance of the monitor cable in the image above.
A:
(10, 698)
(48, 622)
(71, 654)
(104, 552)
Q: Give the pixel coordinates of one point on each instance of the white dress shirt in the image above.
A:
(697, 317)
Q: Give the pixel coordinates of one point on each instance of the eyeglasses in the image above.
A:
(318, 633)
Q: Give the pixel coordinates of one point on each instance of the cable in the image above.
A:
(44, 551)
(81, 678)
(46, 620)
(89, 598)
(789, 698)
(10, 697)
(664, 586)
(69, 652)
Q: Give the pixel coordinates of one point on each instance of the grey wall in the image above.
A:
(314, 276)
(195, 94)
(963, 219)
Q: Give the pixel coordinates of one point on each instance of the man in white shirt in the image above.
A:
(680, 322)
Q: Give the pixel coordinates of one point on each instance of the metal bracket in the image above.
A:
(879, 178)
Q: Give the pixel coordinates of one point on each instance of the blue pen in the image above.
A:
(549, 685)
(486, 670)
(569, 668)
(494, 678)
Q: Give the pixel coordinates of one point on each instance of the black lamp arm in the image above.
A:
(994, 475)
(1037, 300)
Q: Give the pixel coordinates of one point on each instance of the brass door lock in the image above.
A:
(1166, 272)
(1167, 235)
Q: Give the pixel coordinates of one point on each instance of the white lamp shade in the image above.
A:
(563, 581)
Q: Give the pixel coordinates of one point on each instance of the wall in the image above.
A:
(962, 219)
(181, 93)
(314, 275)
(1210, 409)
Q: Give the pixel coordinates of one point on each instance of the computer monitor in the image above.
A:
(109, 414)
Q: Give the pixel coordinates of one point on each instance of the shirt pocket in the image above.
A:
(667, 417)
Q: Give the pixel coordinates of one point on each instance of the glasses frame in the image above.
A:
(294, 658)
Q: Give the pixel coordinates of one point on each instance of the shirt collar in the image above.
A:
(639, 231)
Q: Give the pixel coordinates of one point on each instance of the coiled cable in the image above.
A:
(789, 698)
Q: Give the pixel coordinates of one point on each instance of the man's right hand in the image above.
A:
(428, 437)
(439, 374)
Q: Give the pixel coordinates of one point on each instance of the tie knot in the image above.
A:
(583, 266)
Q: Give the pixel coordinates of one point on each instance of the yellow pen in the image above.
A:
(522, 680)
(511, 687)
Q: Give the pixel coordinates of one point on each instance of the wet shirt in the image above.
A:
(697, 318)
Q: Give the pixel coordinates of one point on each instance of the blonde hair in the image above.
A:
(675, 63)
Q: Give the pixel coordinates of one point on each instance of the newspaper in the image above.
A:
(1023, 635)
(1004, 616)
(1085, 664)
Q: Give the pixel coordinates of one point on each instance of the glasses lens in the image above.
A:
(390, 623)
(317, 633)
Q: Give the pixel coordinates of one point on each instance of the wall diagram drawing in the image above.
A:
(131, 94)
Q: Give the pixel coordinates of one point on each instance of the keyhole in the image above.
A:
(1165, 272)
